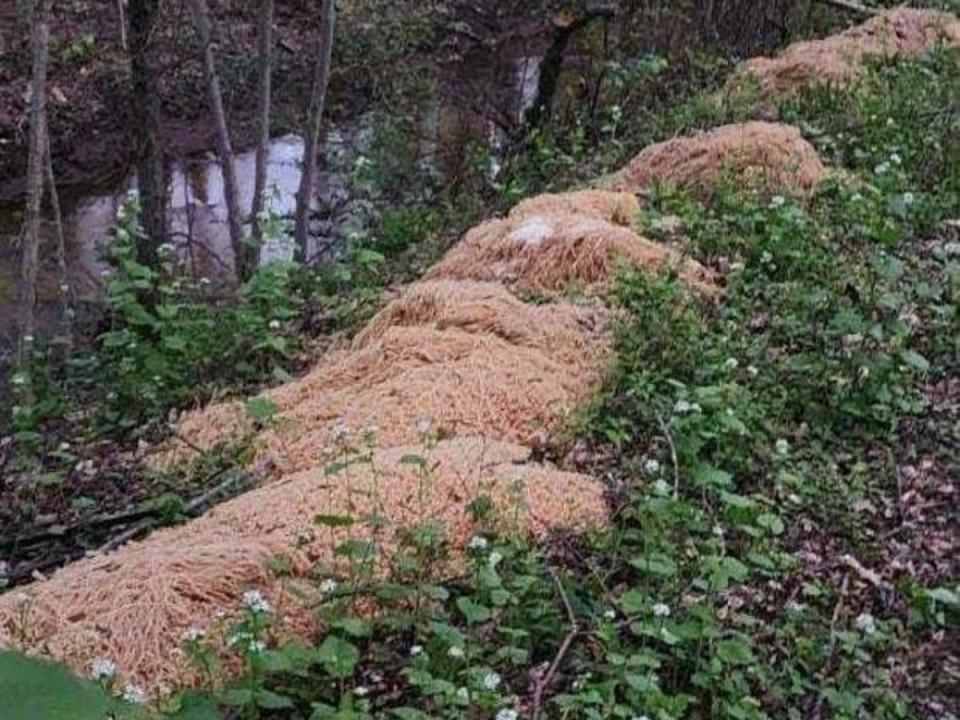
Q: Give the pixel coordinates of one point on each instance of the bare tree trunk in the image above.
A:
(318, 96)
(151, 178)
(30, 246)
(224, 148)
(66, 292)
(265, 52)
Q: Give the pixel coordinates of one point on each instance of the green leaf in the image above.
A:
(261, 409)
(735, 651)
(659, 564)
(272, 701)
(338, 657)
(354, 627)
(475, 613)
(771, 522)
(944, 595)
(915, 360)
(333, 521)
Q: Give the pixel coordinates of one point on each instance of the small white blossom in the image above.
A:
(639, 717)
(328, 586)
(423, 427)
(752, 370)
(491, 681)
(416, 650)
(610, 614)
(463, 694)
(908, 198)
(477, 542)
(103, 669)
(507, 714)
(257, 646)
(651, 466)
(896, 159)
(856, 197)
(661, 487)
(274, 324)
(255, 601)
(494, 559)
(204, 280)
(28, 338)
(134, 694)
(340, 432)
(731, 364)
(455, 652)
(193, 634)
(865, 623)
(661, 610)
(361, 691)
(777, 201)
(782, 447)
(64, 287)
(882, 169)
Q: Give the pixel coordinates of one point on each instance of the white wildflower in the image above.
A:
(661, 487)
(856, 197)
(494, 559)
(134, 694)
(64, 288)
(416, 650)
(661, 610)
(896, 159)
(103, 669)
(361, 691)
(193, 634)
(682, 406)
(610, 614)
(507, 714)
(274, 324)
(651, 466)
(752, 370)
(204, 280)
(328, 586)
(340, 432)
(477, 542)
(255, 601)
(782, 447)
(908, 198)
(777, 201)
(455, 652)
(257, 646)
(423, 427)
(491, 681)
(865, 623)
(731, 364)
(882, 169)
(28, 338)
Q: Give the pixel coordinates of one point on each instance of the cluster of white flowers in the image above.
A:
(661, 487)
(777, 201)
(256, 602)
(494, 560)
(651, 466)
(661, 610)
(491, 681)
(328, 586)
(782, 447)
(507, 714)
(908, 198)
(416, 650)
(866, 623)
(361, 691)
(103, 669)
(193, 634)
(477, 542)
(456, 652)
(684, 406)
(134, 694)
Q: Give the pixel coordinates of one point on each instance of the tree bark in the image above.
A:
(265, 52)
(201, 16)
(318, 96)
(151, 178)
(552, 64)
(30, 245)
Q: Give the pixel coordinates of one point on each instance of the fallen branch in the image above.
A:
(544, 682)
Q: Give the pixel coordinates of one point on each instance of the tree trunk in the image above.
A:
(224, 148)
(30, 246)
(552, 64)
(151, 179)
(318, 96)
(265, 52)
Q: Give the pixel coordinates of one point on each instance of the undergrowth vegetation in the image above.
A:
(756, 446)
